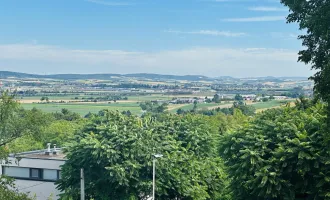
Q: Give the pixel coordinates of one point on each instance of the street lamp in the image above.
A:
(154, 174)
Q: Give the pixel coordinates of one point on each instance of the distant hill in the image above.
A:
(8, 74)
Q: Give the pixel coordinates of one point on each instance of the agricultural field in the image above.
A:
(133, 105)
(84, 108)
(260, 106)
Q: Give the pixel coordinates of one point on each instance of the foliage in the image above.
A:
(153, 107)
(246, 109)
(313, 16)
(265, 99)
(44, 99)
(65, 114)
(8, 191)
(295, 92)
(116, 152)
(16, 122)
(25, 143)
(281, 154)
(59, 132)
(303, 103)
(238, 97)
(216, 98)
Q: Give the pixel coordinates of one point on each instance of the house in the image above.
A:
(249, 97)
(280, 97)
(36, 172)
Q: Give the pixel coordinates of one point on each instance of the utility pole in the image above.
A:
(82, 184)
(153, 178)
(154, 174)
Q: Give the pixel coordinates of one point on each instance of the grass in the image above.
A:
(270, 104)
(200, 106)
(83, 109)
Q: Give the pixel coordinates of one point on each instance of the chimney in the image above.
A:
(54, 151)
(48, 149)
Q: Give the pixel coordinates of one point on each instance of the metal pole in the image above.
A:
(82, 184)
(153, 178)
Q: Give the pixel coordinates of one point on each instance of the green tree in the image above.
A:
(180, 111)
(8, 190)
(153, 107)
(67, 115)
(216, 99)
(116, 152)
(195, 106)
(16, 122)
(281, 154)
(60, 131)
(238, 97)
(313, 16)
(265, 99)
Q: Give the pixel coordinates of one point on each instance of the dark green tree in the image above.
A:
(116, 152)
(195, 106)
(281, 154)
(216, 99)
(238, 97)
(313, 16)
(16, 122)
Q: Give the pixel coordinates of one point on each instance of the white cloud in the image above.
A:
(256, 19)
(285, 36)
(199, 60)
(108, 3)
(209, 32)
(267, 9)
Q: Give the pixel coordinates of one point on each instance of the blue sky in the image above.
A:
(208, 37)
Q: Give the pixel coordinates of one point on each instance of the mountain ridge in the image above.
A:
(109, 76)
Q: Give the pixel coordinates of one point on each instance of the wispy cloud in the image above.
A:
(198, 60)
(283, 35)
(267, 9)
(209, 32)
(110, 3)
(256, 19)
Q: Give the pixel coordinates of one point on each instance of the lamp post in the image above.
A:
(154, 174)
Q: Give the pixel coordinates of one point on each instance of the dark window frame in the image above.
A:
(58, 174)
(40, 173)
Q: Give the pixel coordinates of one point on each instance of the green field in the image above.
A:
(270, 104)
(83, 109)
(139, 98)
(200, 106)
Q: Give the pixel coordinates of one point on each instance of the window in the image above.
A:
(36, 173)
(31, 173)
(50, 174)
(16, 172)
